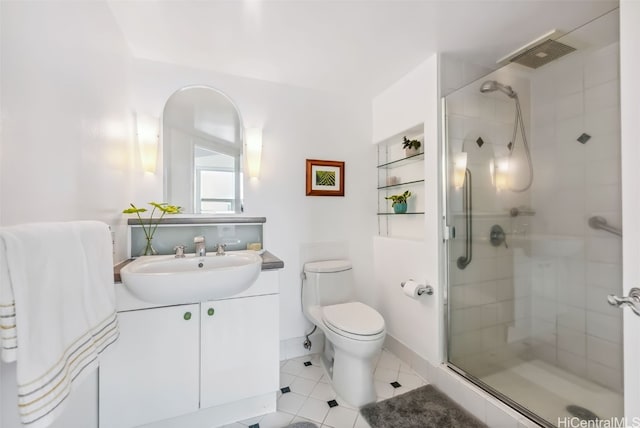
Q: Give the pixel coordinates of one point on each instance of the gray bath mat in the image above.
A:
(302, 425)
(424, 407)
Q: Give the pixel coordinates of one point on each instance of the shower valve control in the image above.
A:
(497, 236)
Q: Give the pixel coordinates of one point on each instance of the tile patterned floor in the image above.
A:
(306, 394)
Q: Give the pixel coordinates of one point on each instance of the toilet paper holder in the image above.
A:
(423, 289)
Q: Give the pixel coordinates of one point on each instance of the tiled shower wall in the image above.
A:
(486, 306)
(573, 267)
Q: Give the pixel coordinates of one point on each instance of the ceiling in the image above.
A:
(358, 46)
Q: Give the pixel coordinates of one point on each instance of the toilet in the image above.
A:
(354, 332)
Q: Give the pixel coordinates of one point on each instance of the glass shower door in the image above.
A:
(534, 199)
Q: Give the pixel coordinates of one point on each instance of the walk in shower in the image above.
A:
(533, 195)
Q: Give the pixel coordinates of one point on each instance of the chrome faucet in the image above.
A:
(200, 246)
(179, 249)
(220, 249)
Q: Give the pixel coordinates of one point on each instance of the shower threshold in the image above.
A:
(530, 386)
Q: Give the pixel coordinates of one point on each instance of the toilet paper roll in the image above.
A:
(411, 288)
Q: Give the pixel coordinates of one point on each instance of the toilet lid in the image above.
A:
(355, 317)
(327, 266)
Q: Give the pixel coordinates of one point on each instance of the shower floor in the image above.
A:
(547, 391)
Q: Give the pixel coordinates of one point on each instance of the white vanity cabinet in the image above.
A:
(239, 349)
(151, 373)
(208, 363)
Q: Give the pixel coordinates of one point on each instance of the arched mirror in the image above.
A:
(202, 151)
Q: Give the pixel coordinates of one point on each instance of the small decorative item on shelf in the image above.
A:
(392, 180)
(399, 204)
(411, 147)
(149, 229)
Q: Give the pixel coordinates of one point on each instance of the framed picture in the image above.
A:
(325, 178)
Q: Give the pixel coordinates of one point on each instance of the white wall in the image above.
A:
(66, 122)
(297, 124)
(417, 324)
(403, 104)
(65, 136)
(630, 124)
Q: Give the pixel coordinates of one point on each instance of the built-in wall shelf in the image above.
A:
(401, 170)
(412, 213)
(401, 162)
(407, 183)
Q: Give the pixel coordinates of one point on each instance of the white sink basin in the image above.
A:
(167, 279)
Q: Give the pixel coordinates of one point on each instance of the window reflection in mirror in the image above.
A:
(202, 148)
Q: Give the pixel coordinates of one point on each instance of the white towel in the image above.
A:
(57, 309)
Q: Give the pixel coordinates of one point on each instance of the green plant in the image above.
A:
(408, 144)
(150, 228)
(399, 199)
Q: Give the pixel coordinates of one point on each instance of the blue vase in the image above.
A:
(400, 207)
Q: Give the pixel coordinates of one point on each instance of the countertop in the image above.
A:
(198, 220)
(269, 262)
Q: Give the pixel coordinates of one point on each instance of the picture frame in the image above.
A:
(325, 178)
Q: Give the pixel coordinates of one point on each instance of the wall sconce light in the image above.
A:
(499, 170)
(459, 168)
(253, 145)
(148, 140)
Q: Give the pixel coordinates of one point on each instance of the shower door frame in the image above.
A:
(449, 234)
(630, 177)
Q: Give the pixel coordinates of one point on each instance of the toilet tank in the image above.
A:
(327, 282)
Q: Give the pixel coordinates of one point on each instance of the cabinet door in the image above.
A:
(239, 350)
(151, 373)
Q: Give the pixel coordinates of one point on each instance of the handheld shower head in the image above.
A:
(492, 85)
(489, 86)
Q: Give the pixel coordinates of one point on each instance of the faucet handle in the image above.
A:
(220, 249)
(179, 249)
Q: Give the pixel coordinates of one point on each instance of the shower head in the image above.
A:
(539, 52)
(492, 85)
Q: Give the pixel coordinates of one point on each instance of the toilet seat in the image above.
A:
(354, 320)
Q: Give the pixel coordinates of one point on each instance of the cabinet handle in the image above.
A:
(187, 316)
(210, 311)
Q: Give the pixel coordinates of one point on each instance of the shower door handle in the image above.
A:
(633, 300)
